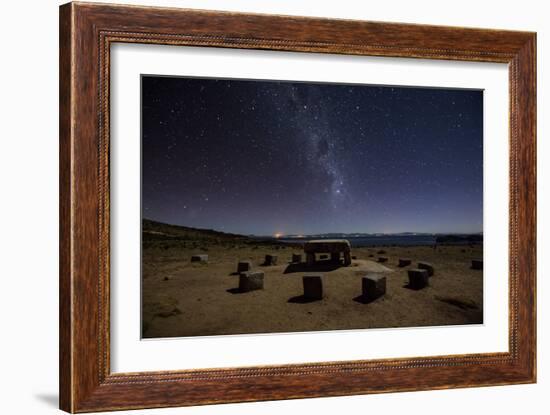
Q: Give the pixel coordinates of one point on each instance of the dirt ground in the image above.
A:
(183, 298)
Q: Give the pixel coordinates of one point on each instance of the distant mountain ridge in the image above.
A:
(153, 230)
(475, 235)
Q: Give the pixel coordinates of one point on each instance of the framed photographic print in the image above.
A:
(260, 207)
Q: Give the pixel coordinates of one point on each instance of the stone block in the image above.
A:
(382, 259)
(244, 266)
(270, 259)
(251, 281)
(373, 286)
(347, 259)
(327, 245)
(403, 262)
(418, 278)
(199, 258)
(313, 287)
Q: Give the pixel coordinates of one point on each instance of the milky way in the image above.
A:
(260, 157)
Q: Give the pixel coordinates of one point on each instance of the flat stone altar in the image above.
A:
(334, 247)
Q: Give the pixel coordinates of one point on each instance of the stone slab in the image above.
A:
(418, 278)
(244, 266)
(373, 286)
(313, 287)
(403, 262)
(271, 259)
(199, 258)
(251, 281)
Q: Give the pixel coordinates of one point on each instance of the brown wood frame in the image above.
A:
(86, 33)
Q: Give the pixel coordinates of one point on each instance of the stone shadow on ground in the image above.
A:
(319, 266)
(302, 299)
(364, 300)
(413, 287)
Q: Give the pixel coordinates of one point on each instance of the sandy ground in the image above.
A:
(181, 298)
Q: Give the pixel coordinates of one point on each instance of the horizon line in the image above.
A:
(282, 235)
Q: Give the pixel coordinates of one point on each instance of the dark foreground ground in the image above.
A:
(180, 298)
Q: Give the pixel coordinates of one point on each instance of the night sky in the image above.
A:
(267, 157)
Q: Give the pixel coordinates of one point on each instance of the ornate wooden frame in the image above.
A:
(86, 33)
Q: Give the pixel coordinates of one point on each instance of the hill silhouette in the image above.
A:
(153, 230)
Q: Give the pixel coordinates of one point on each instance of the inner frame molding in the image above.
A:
(86, 34)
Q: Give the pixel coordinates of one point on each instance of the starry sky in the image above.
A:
(266, 157)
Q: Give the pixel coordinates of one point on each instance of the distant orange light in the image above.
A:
(278, 235)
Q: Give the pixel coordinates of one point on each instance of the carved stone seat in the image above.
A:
(334, 247)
